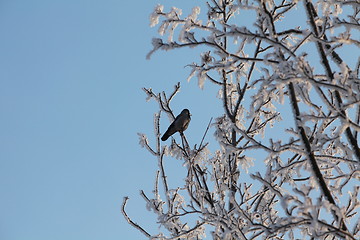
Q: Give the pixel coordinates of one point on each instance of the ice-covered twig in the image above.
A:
(131, 222)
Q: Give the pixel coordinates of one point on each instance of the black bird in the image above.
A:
(180, 124)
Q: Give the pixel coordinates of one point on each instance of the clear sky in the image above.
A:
(71, 103)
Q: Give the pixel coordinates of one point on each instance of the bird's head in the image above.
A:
(186, 111)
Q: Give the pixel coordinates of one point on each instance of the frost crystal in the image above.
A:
(154, 17)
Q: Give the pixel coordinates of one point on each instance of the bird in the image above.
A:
(180, 124)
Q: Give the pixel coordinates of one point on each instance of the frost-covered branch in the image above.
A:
(131, 222)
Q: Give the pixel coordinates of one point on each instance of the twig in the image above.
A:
(207, 129)
(128, 219)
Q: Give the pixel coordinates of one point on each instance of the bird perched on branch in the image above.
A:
(180, 124)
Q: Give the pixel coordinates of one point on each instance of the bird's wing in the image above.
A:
(177, 118)
(170, 131)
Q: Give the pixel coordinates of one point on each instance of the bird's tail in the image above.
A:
(165, 136)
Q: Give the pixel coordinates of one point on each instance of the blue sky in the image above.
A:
(71, 106)
(71, 74)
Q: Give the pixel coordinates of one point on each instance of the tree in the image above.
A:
(278, 65)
